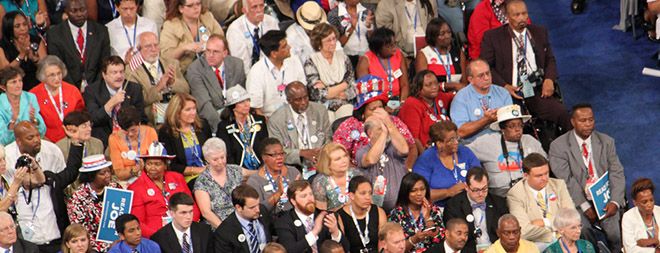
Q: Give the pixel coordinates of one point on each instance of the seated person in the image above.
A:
(408, 19)
(455, 237)
(130, 236)
(508, 230)
(535, 199)
(446, 164)
(356, 213)
(334, 172)
(10, 242)
(19, 47)
(391, 238)
(504, 162)
(270, 75)
(246, 31)
(183, 234)
(520, 73)
(568, 224)
(130, 141)
(443, 56)
(127, 27)
(308, 16)
(475, 106)
(639, 226)
(78, 129)
(75, 239)
(16, 105)
(487, 15)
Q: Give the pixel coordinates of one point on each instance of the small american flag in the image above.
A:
(136, 61)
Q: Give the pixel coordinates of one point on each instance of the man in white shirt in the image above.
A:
(269, 77)
(304, 219)
(126, 28)
(179, 234)
(246, 31)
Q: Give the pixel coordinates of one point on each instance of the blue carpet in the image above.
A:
(603, 67)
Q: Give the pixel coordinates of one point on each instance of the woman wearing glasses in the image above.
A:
(445, 164)
(273, 177)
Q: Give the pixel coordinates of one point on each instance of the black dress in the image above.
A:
(353, 235)
(28, 66)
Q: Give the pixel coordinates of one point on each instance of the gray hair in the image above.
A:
(6, 216)
(566, 217)
(369, 124)
(214, 145)
(141, 35)
(50, 60)
(507, 217)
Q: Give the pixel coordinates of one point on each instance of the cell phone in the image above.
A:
(429, 229)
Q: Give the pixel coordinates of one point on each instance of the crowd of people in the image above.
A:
(301, 126)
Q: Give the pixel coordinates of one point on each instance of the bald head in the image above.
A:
(148, 45)
(28, 139)
(296, 95)
(76, 10)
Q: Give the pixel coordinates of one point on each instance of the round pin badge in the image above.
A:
(297, 223)
(151, 192)
(342, 198)
(433, 117)
(469, 218)
(256, 128)
(235, 95)
(131, 155)
(205, 37)
(314, 139)
(477, 112)
(515, 113)
(241, 237)
(463, 173)
(441, 104)
(313, 122)
(355, 135)
(344, 23)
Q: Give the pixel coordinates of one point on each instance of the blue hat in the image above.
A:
(369, 89)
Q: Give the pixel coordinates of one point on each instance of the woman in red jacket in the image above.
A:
(152, 190)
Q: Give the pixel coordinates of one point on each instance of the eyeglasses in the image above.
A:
(197, 4)
(282, 154)
(453, 139)
(515, 126)
(482, 75)
(482, 190)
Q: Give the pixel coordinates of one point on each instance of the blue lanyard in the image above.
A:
(254, 39)
(455, 169)
(566, 246)
(419, 222)
(285, 184)
(446, 65)
(414, 21)
(34, 209)
(390, 76)
(128, 142)
(131, 44)
(271, 72)
(112, 7)
(195, 144)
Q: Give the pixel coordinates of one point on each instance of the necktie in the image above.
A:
(8, 251)
(481, 206)
(185, 246)
(153, 71)
(255, 45)
(135, 251)
(81, 44)
(308, 227)
(541, 201)
(303, 131)
(520, 59)
(590, 166)
(217, 75)
(254, 240)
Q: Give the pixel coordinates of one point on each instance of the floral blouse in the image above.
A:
(325, 189)
(402, 216)
(351, 134)
(85, 208)
(220, 196)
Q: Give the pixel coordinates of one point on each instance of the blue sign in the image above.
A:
(115, 202)
(600, 194)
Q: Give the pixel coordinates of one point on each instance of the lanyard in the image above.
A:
(195, 145)
(255, 43)
(272, 74)
(342, 196)
(128, 142)
(455, 170)
(113, 8)
(390, 76)
(152, 79)
(59, 109)
(364, 237)
(419, 222)
(34, 208)
(650, 231)
(271, 180)
(409, 18)
(446, 65)
(131, 44)
(566, 246)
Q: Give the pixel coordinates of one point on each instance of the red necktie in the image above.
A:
(590, 167)
(81, 44)
(217, 75)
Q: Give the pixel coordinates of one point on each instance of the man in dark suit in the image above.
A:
(304, 228)
(580, 157)
(182, 234)
(456, 236)
(530, 46)
(81, 44)
(471, 205)
(9, 241)
(245, 230)
(105, 97)
(211, 76)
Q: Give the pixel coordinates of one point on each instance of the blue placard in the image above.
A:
(600, 194)
(115, 202)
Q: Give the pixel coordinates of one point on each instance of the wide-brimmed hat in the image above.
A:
(369, 89)
(310, 14)
(156, 151)
(508, 112)
(235, 95)
(93, 163)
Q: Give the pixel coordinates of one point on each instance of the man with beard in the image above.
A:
(183, 234)
(501, 153)
(303, 228)
(106, 97)
(455, 237)
(508, 230)
(40, 205)
(160, 77)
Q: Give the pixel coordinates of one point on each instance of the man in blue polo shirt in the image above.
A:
(474, 107)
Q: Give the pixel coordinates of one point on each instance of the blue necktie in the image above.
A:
(481, 206)
(254, 240)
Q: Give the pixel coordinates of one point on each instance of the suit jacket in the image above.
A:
(318, 125)
(23, 246)
(174, 145)
(97, 47)
(225, 237)
(200, 235)
(292, 236)
(205, 88)
(566, 163)
(97, 94)
(459, 207)
(149, 92)
(523, 204)
(497, 50)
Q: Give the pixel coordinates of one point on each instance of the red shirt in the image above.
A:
(419, 116)
(380, 69)
(149, 203)
(72, 100)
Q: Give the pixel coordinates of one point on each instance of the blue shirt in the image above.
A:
(257, 226)
(467, 106)
(145, 246)
(429, 166)
(27, 100)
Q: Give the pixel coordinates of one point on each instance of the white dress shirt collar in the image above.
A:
(179, 235)
(449, 249)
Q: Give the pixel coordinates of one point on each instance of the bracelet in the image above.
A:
(443, 87)
(410, 241)
(18, 59)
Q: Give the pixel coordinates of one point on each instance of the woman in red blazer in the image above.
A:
(153, 188)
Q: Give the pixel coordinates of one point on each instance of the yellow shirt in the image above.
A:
(524, 247)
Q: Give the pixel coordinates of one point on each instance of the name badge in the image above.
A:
(268, 188)
(397, 73)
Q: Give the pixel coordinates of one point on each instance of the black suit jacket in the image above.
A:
(174, 145)
(200, 235)
(459, 207)
(23, 246)
(58, 182)
(97, 94)
(497, 50)
(292, 237)
(225, 237)
(97, 47)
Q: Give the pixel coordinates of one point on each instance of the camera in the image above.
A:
(478, 232)
(536, 77)
(34, 46)
(167, 96)
(23, 161)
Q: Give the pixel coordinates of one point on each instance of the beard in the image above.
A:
(308, 208)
